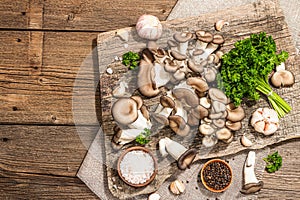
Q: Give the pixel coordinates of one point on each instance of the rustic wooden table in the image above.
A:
(42, 46)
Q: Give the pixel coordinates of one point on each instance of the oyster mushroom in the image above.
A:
(205, 102)
(171, 65)
(145, 81)
(217, 95)
(209, 140)
(220, 123)
(204, 38)
(218, 107)
(198, 84)
(128, 111)
(265, 120)
(161, 77)
(251, 184)
(189, 97)
(210, 74)
(173, 45)
(179, 125)
(178, 56)
(183, 39)
(196, 67)
(163, 110)
(283, 78)
(206, 129)
(122, 137)
(184, 156)
(234, 126)
(223, 134)
(235, 114)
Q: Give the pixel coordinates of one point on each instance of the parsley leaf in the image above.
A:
(143, 137)
(131, 59)
(274, 162)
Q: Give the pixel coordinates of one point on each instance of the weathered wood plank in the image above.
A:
(89, 15)
(42, 72)
(57, 150)
(243, 21)
(34, 186)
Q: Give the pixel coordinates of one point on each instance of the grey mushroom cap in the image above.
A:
(217, 95)
(161, 119)
(283, 78)
(182, 37)
(178, 56)
(188, 96)
(186, 159)
(252, 187)
(124, 111)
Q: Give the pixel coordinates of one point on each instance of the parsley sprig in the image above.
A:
(131, 59)
(245, 70)
(143, 137)
(274, 162)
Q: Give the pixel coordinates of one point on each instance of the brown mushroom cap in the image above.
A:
(138, 100)
(198, 52)
(124, 111)
(223, 134)
(145, 112)
(145, 79)
(171, 66)
(218, 39)
(204, 36)
(166, 101)
(283, 78)
(252, 187)
(196, 67)
(172, 43)
(187, 95)
(200, 112)
(234, 126)
(182, 37)
(186, 159)
(235, 114)
(178, 125)
(198, 84)
(220, 123)
(178, 56)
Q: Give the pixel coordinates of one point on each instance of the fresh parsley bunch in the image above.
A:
(131, 59)
(274, 162)
(245, 70)
(143, 137)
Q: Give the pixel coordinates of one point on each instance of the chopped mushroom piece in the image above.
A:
(251, 184)
(205, 102)
(183, 155)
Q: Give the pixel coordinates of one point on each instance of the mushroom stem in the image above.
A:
(141, 122)
(161, 77)
(251, 184)
(174, 148)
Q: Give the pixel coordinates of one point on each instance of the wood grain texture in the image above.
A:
(243, 21)
(42, 72)
(48, 150)
(92, 15)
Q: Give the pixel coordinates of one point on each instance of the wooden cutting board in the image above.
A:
(253, 18)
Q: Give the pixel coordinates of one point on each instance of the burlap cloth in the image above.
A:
(93, 173)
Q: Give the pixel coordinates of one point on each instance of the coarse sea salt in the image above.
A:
(137, 167)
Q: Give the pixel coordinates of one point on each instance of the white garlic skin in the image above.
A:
(265, 120)
(149, 27)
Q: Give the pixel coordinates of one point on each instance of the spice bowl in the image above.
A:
(216, 175)
(137, 166)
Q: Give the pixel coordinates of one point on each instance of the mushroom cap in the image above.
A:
(218, 39)
(283, 78)
(188, 96)
(178, 125)
(172, 43)
(206, 129)
(198, 83)
(200, 112)
(218, 106)
(234, 126)
(198, 52)
(217, 95)
(186, 159)
(145, 112)
(196, 67)
(235, 114)
(161, 119)
(223, 134)
(204, 36)
(220, 123)
(178, 56)
(138, 100)
(209, 140)
(252, 187)
(166, 101)
(171, 65)
(192, 120)
(124, 111)
(182, 37)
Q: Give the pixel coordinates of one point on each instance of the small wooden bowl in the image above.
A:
(202, 175)
(137, 148)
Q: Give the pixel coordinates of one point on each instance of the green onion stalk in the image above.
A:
(279, 105)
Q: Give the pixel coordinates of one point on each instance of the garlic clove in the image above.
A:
(259, 126)
(270, 128)
(154, 196)
(245, 141)
(177, 187)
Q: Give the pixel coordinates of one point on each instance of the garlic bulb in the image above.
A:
(265, 120)
(149, 27)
